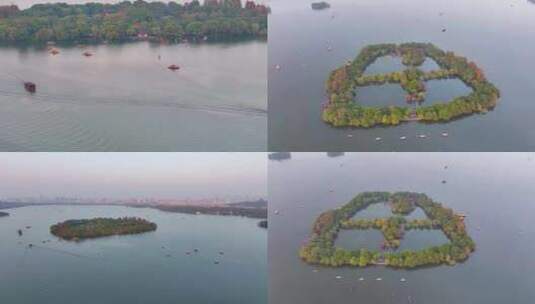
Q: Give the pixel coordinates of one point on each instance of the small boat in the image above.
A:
(402, 280)
(403, 137)
(216, 262)
(349, 135)
(195, 250)
(379, 279)
(221, 253)
(30, 87)
(329, 48)
(378, 139)
(19, 232)
(422, 136)
(54, 51)
(444, 181)
(87, 54)
(315, 270)
(276, 212)
(445, 134)
(277, 67)
(338, 277)
(30, 245)
(188, 253)
(174, 67)
(361, 279)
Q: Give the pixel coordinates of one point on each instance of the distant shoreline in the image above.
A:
(241, 209)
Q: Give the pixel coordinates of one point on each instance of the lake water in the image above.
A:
(494, 190)
(124, 98)
(496, 34)
(136, 268)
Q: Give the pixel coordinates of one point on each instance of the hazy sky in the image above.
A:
(122, 175)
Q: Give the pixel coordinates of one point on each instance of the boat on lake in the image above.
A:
(30, 86)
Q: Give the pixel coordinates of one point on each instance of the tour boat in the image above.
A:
(30, 87)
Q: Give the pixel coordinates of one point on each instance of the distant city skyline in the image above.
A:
(124, 176)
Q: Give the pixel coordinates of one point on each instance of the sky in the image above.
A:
(128, 175)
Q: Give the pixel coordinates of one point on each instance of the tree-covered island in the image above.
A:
(132, 21)
(100, 227)
(321, 250)
(320, 5)
(343, 110)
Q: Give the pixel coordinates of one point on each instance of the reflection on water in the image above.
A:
(480, 30)
(359, 239)
(125, 98)
(493, 189)
(146, 268)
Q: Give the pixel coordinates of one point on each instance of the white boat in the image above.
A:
(403, 137)
(402, 280)
(445, 134)
(361, 279)
(277, 67)
(349, 135)
(378, 138)
(379, 279)
(276, 212)
(338, 277)
(422, 136)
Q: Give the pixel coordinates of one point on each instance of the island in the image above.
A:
(320, 249)
(75, 230)
(320, 5)
(132, 21)
(232, 209)
(335, 154)
(343, 110)
(2, 214)
(280, 156)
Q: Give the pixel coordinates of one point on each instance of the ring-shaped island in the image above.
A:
(320, 249)
(343, 110)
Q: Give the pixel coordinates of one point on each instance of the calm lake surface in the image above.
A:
(136, 268)
(124, 98)
(497, 35)
(494, 190)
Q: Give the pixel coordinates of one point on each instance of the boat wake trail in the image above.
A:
(65, 99)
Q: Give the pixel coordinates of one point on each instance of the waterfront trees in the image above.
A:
(133, 20)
